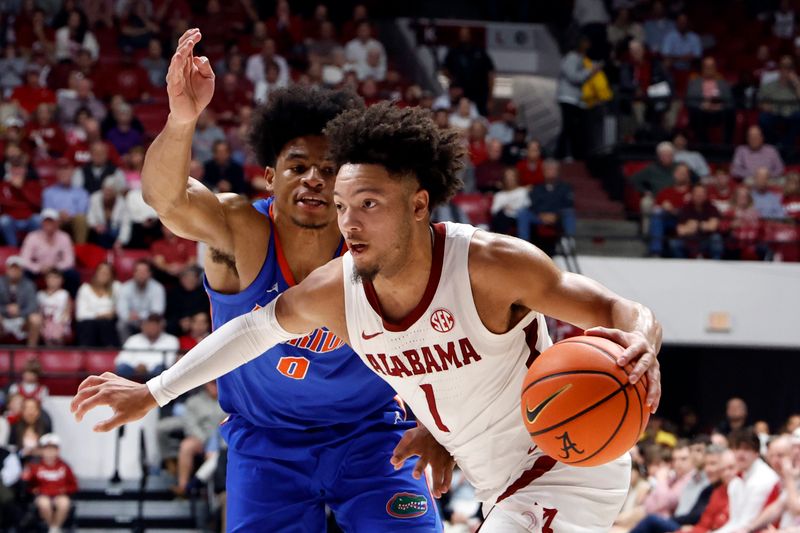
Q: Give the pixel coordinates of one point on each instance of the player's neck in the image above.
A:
(306, 249)
(400, 288)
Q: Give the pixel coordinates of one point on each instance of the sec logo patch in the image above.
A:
(442, 320)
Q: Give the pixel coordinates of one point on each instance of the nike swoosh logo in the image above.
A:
(368, 337)
(534, 413)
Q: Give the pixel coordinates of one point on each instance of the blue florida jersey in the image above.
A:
(313, 382)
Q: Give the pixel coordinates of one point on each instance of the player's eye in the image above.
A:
(369, 204)
(329, 171)
(299, 169)
(339, 207)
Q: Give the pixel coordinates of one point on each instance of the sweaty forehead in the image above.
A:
(309, 147)
(355, 177)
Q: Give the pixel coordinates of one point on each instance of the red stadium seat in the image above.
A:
(125, 261)
(21, 358)
(476, 206)
(99, 361)
(62, 371)
(629, 168)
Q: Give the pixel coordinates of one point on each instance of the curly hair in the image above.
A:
(295, 112)
(404, 141)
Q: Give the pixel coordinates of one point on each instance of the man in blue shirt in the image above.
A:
(70, 202)
(681, 47)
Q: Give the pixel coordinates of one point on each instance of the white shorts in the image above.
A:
(565, 499)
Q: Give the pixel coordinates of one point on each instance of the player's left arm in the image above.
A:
(532, 280)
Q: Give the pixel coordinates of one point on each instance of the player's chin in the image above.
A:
(315, 219)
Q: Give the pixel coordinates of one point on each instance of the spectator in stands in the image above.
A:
(623, 29)
(71, 203)
(95, 316)
(766, 199)
(591, 17)
(574, 138)
(132, 164)
(721, 191)
(172, 255)
(469, 66)
(148, 353)
(93, 174)
(20, 317)
(693, 499)
(517, 150)
(185, 300)
(743, 223)
(12, 68)
(27, 97)
(358, 50)
(55, 305)
(285, 28)
(779, 103)
(75, 35)
(551, 210)
(757, 484)
(710, 103)
(508, 202)
(20, 201)
(50, 247)
(52, 482)
(692, 158)
(70, 102)
(633, 506)
(145, 227)
(137, 27)
(32, 424)
(321, 49)
(530, 169)
(489, 174)
(10, 474)
(657, 27)
(222, 173)
(668, 204)
(137, 299)
(463, 115)
(503, 129)
(754, 155)
(735, 416)
(449, 212)
(30, 385)
(124, 136)
(256, 68)
(791, 196)
(698, 228)
(155, 64)
(271, 81)
(16, 159)
(681, 46)
(669, 482)
(476, 138)
(206, 134)
(108, 218)
(45, 136)
(653, 179)
(199, 329)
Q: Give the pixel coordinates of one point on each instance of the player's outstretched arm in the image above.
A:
(317, 301)
(529, 278)
(184, 204)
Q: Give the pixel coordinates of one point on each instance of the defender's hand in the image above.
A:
(637, 349)
(129, 400)
(190, 80)
(419, 441)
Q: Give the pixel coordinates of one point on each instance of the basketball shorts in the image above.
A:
(279, 484)
(561, 499)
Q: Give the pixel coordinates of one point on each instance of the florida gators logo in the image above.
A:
(442, 320)
(407, 505)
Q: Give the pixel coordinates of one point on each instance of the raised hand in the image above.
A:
(190, 80)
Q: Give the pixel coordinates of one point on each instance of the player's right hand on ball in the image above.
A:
(129, 400)
(190, 80)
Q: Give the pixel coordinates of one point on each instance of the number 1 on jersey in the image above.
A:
(427, 388)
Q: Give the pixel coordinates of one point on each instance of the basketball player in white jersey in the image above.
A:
(449, 316)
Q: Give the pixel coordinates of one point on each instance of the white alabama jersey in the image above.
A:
(462, 381)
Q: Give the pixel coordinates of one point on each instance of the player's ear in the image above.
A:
(421, 200)
(269, 177)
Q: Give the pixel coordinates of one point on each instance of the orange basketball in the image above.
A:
(578, 405)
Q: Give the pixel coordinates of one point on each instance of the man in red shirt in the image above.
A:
(668, 204)
(44, 134)
(51, 481)
(717, 512)
(698, 228)
(721, 192)
(172, 255)
(20, 203)
(530, 169)
(31, 94)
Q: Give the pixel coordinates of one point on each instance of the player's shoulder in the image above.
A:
(497, 254)
(240, 212)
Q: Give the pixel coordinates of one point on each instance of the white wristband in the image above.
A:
(235, 343)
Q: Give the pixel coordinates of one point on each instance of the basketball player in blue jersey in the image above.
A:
(310, 425)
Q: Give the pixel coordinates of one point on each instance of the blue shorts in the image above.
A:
(281, 481)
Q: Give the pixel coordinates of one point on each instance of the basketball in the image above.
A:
(578, 405)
